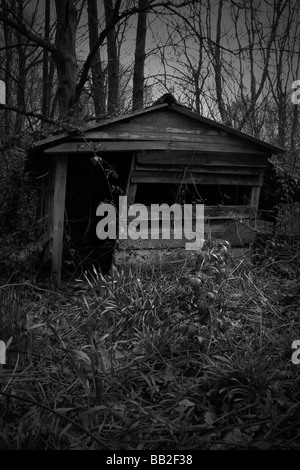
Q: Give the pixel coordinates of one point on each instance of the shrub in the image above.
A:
(18, 236)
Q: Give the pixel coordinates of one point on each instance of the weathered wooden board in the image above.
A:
(169, 177)
(122, 146)
(175, 136)
(238, 170)
(204, 158)
(255, 193)
(45, 183)
(229, 212)
(135, 131)
(178, 126)
(214, 212)
(131, 188)
(173, 122)
(162, 120)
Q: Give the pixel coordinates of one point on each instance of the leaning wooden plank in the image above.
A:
(60, 179)
(131, 187)
(46, 178)
(255, 193)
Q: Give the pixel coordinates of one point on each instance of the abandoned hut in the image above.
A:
(163, 154)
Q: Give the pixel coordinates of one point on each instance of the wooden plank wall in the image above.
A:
(234, 223)
(168, 131)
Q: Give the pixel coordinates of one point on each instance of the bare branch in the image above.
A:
(22, 29)
(29, 114)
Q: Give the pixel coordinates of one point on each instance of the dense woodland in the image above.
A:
(146, 360)
(67, 64)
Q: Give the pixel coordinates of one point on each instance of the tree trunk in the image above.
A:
(21, 78)
(217, 64)
(97, 72)
(65, 57)
(8, 41)
(112, 62)
(139, 58)
(46, 75)
(278, 9)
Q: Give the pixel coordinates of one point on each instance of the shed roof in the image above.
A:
(108, 124)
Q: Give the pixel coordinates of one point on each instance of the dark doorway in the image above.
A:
(91, 181)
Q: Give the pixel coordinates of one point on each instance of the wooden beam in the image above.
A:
(125, 145)
(175, 178)
(228, 212)
(165, 135)
(205, 158)
(60, 179)
(157, 130)
(237, 170)
(211, 213)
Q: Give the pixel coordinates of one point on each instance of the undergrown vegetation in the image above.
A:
(149, 359)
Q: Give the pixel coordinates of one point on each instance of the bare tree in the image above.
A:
(112, 60)
(139, 57)
(64, 54)
(96, 68)
(8, 70)
(46, 74)
(266, 43)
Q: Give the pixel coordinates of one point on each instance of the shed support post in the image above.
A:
(59, 194)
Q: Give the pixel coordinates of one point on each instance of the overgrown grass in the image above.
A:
(135, 362)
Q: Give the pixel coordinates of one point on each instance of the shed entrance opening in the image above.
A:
(90, 183)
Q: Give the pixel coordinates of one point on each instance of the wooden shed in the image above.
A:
(163, 154)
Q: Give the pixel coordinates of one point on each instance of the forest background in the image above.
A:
(141, 361)
(69, 63)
